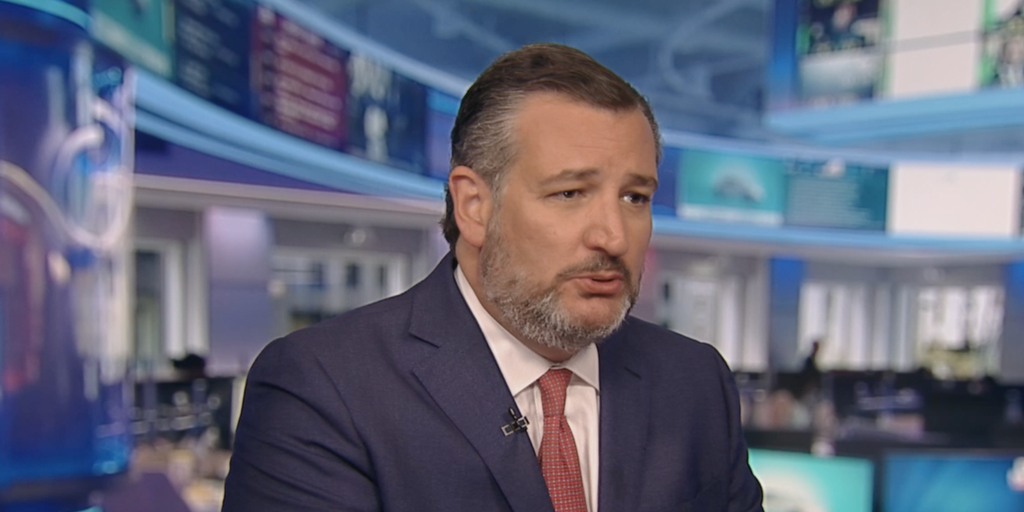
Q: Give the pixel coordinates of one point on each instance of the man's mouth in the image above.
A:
(601, 283)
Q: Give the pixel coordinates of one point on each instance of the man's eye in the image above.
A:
(569, 194)
(638, 198)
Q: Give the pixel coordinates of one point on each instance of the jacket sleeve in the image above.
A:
(296, 448)
(745, 494)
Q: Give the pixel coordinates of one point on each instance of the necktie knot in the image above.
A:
(553, 386)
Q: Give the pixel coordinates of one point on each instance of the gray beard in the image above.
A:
(539, 315)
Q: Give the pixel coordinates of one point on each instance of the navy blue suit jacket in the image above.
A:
(399, 406)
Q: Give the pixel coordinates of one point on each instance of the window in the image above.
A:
(836, 314)
(723, 309)
(159, 316)
(313, 285)
(958, 329)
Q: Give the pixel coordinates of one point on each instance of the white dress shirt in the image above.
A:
(521, 368)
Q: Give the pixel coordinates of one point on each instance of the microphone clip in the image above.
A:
(519, 424)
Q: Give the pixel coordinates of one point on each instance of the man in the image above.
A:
(420, 402)
(1009, 66)
(837, 34)
(841, 31)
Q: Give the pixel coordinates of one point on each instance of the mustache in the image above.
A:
(602, 263)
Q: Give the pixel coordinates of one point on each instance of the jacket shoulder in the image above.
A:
(362, 334)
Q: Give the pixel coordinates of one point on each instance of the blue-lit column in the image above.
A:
(785, 280)
(65, 207)
(238, 244)
(1011, 360)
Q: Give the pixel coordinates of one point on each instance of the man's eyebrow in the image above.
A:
(644, 181)
(590, 173)
(571, 175)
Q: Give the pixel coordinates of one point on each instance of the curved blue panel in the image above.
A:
(351, 40)
(355, 179)
(189, 121)
(183, 119)
(789, 149)
(883, 120)
(58, 8)
(180, 117)
(797, 237)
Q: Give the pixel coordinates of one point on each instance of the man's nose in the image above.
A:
(606, 229)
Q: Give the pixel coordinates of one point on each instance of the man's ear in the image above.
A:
(473, 204)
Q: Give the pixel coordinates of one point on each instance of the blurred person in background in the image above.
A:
(513, 377)
(838, 34)
(810, 374)
(1010, 64)
(1009, 53)
(190, 368)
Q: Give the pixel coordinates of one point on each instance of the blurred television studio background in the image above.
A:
(181, 181)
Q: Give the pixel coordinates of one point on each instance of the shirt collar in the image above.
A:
(521, 366)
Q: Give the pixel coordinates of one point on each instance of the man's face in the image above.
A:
(843, 16)
(565, 247)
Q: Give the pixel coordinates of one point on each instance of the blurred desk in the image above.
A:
(187, 478)
(145, 492)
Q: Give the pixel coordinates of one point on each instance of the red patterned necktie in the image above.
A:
(558, 459)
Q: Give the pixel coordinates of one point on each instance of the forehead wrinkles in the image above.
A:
(542, 103)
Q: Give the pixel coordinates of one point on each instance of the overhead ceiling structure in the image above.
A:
(700, 62)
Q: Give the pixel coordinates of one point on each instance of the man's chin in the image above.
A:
(594, 307)
(595, 319)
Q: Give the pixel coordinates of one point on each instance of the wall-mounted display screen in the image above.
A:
(441, 112)
(211, 44)
(799, 482)
(731, 187)
(836, 67)
(142, 32)
(299, 80)
(840, 60)
(836, 194)
(953, 482)
(386, 115)
(1002, 62)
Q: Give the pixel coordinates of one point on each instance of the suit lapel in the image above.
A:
(465, 381)
(624, 416)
